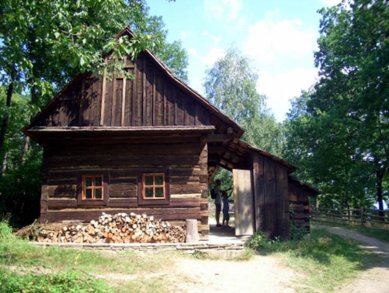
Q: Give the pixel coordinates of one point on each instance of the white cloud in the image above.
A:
(183, 36)
(208, 37)
(212, 56)
(227, 10)
(330, 2)
(281, 87)
(192, 52)
(282, 50)
(272, 38)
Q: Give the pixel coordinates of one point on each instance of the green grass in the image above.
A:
(245, 255)
(378, 233)
(70, 281)
(73, 268)
(326, 261)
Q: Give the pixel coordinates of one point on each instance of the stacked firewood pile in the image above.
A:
(118, 228)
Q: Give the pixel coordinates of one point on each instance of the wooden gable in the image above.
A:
(154, 97)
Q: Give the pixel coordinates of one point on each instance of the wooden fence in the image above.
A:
(364, 217)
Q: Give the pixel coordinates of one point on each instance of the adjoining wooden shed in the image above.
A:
(299, 204)
(150, 145)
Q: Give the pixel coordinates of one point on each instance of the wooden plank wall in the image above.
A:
(270, 184)
(243, 202)
(299, 205)
(122, 164)
(150, 98)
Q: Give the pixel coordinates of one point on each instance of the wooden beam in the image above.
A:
(134, 94)
(123, 100)
(219, 149)
(113, 104)
(103, 98)
(60, 129)
(144, 97)
(175, 106)
(218, 137)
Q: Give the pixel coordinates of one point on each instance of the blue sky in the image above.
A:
(279, 36)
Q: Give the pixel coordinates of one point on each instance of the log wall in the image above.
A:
(184, 161)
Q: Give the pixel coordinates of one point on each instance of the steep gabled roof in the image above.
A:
(175, 81)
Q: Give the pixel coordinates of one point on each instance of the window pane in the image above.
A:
(98, 181)
(159, 192)
(149, 192)
(148, 180)
(98, 193)
(88, 181)
(158, 180)
(88, 193)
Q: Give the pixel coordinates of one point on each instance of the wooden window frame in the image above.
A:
(86, 202)
(92, 187)
(142, 200)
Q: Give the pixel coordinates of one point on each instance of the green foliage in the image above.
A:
(70, 36)
(337, 133)
(171, 54)
(296, 232)
(62, 282)
(20, 183)
(230, 85)
(43, 44)
(5, 232)
(175, 57)
(73, 37)
(326, 260)
(225, 177)
(260, 241)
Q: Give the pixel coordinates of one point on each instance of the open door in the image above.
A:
(243, 202)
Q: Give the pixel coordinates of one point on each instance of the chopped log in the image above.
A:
(118, 228)
(192, 235)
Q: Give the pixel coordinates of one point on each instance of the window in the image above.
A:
(154, 186)
(92, 187)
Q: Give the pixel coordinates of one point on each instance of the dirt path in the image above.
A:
(375, 279)
(260, 274)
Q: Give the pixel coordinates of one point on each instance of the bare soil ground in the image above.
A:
(374, 279)
(260, 274)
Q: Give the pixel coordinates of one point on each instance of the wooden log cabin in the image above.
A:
(149, 145)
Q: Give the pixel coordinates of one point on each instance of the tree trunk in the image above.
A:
(379, 176)
(26, 148)
(34, 95)
(4, 122)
